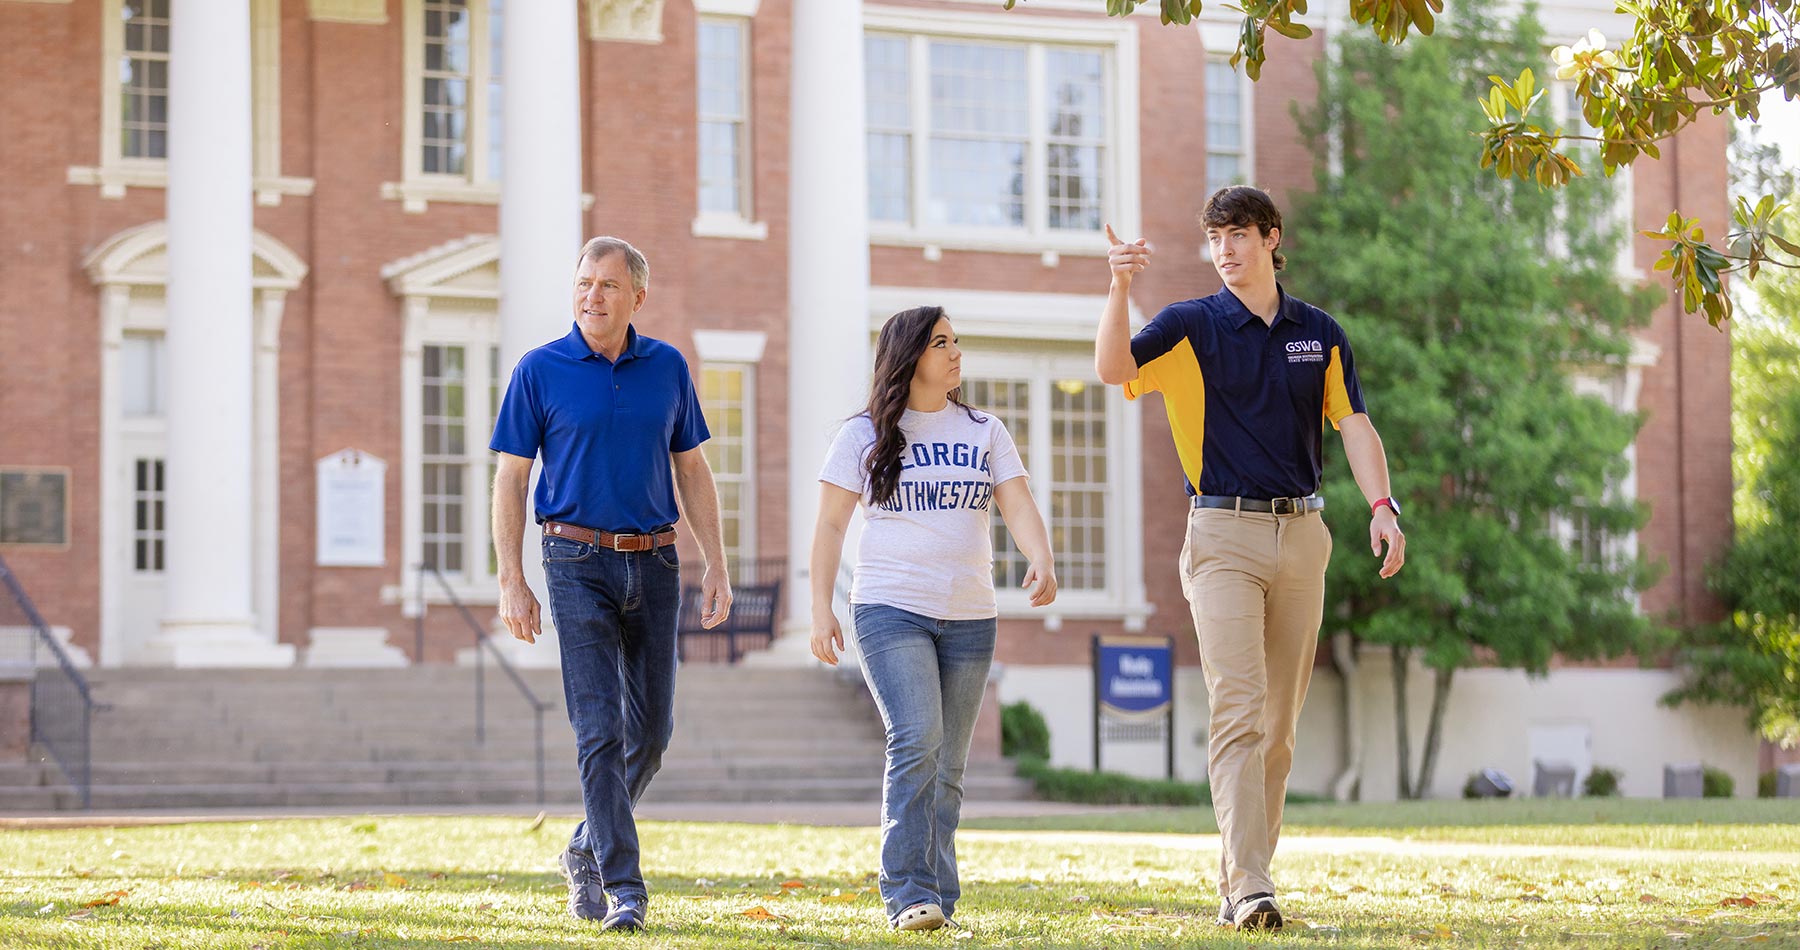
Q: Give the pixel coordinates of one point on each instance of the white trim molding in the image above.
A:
(1121, 165)
(628, 21)
(743, 8)
(730, 346)
(1004, 314)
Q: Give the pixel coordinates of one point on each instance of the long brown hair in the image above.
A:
(903, 340)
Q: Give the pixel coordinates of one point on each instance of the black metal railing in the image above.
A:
(62, 705)
(484, 649)
(755, 610)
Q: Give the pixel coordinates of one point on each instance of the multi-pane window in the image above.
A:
(890, 128)
(724, 111)
(1070, 469)
(459, 76)
(1078, 473)
(144, 79)
(1077, 137)
(987, 136)
(445, 450)
(459, 397)
(1227, 130)
(726, 399)
(147, 509)
(1009, 400)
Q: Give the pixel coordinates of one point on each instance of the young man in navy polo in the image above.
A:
(609, 409)
(1249, 377)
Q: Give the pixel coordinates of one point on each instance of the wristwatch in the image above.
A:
(1389, 501)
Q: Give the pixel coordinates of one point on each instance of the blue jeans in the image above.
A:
(928, 677)
(615, 615)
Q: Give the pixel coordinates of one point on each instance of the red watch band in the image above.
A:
(1387, 500)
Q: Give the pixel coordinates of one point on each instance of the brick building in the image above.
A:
(172, 421)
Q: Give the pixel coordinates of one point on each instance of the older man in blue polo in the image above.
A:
(616, 418)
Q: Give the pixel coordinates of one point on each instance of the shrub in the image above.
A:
(1716, 783)
(1023, 731)
(1765, 784)
(1601, 782)
(1109, 788)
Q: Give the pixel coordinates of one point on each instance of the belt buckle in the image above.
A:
(1286, 506)
(618, 543)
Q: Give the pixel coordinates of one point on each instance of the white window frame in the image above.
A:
(1122, 595)
(116, 173)
(417, 188)
(1620, 387)
(741, 350)
(474, 325)
(1120, 191)
(1623, 211)
(739, 224)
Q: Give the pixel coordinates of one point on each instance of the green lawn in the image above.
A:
(1445, 875)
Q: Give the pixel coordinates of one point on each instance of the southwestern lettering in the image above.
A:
(940, 496)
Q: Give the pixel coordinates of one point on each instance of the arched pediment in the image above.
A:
(140, 256)
(468, 267)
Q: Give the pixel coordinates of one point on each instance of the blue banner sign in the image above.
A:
(1134, 677)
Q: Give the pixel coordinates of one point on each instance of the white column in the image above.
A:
(828, 275)
(540, 217)
(208, 619)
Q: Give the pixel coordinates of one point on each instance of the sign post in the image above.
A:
(1134, 693)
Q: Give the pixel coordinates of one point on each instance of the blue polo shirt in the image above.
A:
(1247, 401)
(605, 427)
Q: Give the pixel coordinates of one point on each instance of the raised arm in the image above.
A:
(700, 503)
(1112, 343)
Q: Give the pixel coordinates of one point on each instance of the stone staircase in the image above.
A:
(184, 739)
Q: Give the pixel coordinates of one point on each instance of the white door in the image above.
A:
(143, 445)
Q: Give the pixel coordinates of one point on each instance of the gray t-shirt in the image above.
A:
(929, 549)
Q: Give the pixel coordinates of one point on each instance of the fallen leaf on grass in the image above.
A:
(1649, 899)
(1744, 901)
(759, 912)
(840, 898)
(108, 899)
(80, 915)
(791, 885)
(1532, 898)
(485, 907)
(392, 880)
(1441, 932)
(537, 822)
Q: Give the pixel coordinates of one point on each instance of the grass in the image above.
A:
(426, 882)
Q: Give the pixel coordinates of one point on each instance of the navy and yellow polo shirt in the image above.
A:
(1247, 401)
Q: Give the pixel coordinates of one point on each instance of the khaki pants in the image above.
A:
(1256, 584)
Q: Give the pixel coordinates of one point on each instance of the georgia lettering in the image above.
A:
(943, 495)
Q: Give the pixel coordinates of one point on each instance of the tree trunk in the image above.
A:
(1434, 732)
(1348, 785)
(1402, 741)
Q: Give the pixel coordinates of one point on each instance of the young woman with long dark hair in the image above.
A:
(928, 469)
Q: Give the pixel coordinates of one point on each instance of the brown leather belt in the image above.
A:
(608, 540)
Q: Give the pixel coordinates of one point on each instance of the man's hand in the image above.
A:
(715, 598)
(1385, 527)
(1126, 260)
(519, 609)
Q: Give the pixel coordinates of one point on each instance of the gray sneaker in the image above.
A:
(586, 900)
(1225, 912)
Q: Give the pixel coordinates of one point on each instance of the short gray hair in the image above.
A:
(597, 248)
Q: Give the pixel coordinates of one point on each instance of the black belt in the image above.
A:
(1279, 506)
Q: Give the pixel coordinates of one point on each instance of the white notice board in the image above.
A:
(351, 510)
